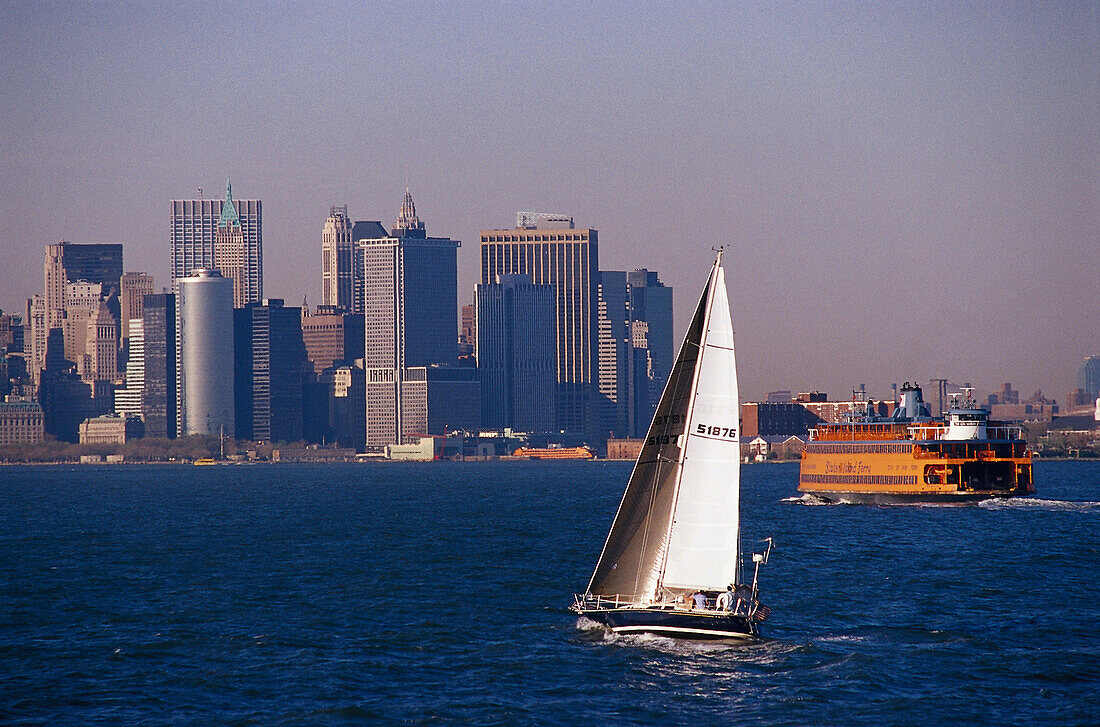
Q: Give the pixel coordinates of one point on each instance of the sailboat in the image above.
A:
(671, 564)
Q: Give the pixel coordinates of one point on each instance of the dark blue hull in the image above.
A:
(674, 622)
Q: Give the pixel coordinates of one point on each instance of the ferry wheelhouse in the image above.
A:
(913, 457)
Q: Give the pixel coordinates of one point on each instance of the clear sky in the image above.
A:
(907, 190)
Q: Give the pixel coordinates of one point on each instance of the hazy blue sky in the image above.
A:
(907, 190)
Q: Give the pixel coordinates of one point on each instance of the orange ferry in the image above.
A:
(911, 457)
(554, 453)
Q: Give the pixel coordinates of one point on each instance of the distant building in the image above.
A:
(426, 448)
(100, 361)
(769, 418)
(11, 333)
(1007, 395)
(90, 328)
(37, 330)
(159, 403)
(21, 422)
(785, 446)
(128, 399)
(650, 303)
(635, 349)
(550, 250)
(514, 326)
(205, 358)
(1088, 377)
(207, 232)
(332, 338)
(270, 361)
(796, 417)
(134, 288)
(467, 331)
(111, 429)
(68, 262)
(361, 232)
(410, 293)
(338, 260)
(67, 400)
(335, 407)
(624, 448)
(440, 399)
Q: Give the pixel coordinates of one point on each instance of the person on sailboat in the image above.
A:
(700, 599)
(725, 600)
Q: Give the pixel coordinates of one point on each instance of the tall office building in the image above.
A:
(615, 357)
(205, 381)
(158, 399)
(1088, 377)
(128, 400)
(514, 334)
(207, 232)
(551, 251)
(68, 262)
(65, 263)
(37, 331)
(410, 291)
(635, 349)
(101, 344)
(332, 338)
(270, 366)
(650, 304)
(361, 231)
(337, 260)
(133, 287)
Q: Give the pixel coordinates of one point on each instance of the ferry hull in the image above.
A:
(679, 624)
(905, 498)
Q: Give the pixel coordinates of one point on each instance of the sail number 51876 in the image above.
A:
(713, 431)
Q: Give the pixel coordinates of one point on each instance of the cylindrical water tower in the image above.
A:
(205, 308)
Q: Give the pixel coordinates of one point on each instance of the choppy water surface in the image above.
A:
(436, 593)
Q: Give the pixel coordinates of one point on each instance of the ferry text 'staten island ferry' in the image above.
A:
(912, 457)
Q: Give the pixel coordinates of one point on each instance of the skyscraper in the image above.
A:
(1088, 377)
(128, 400)
(158, 400)
(332, 338)
(133, 287)
(615, 356)
(550, 250)
(338, 260)
(635, 349)
(207, 232)
(205, 382)
(270, 366)
(410, 292)
(67, 262)
(650, 305)
(515, 353)
(362, 231)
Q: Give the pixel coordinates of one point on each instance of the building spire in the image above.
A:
(229, 210)
(407, 219)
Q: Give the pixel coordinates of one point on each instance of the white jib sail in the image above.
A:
(703, 542)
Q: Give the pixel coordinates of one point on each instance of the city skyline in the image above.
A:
(907, 193)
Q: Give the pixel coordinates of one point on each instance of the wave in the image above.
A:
(1040, 505)
(810, 500)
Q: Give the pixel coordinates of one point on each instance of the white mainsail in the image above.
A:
(677, 525)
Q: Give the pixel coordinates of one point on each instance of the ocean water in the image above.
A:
(437, 594)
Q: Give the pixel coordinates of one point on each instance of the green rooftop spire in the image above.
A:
(229, 210)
